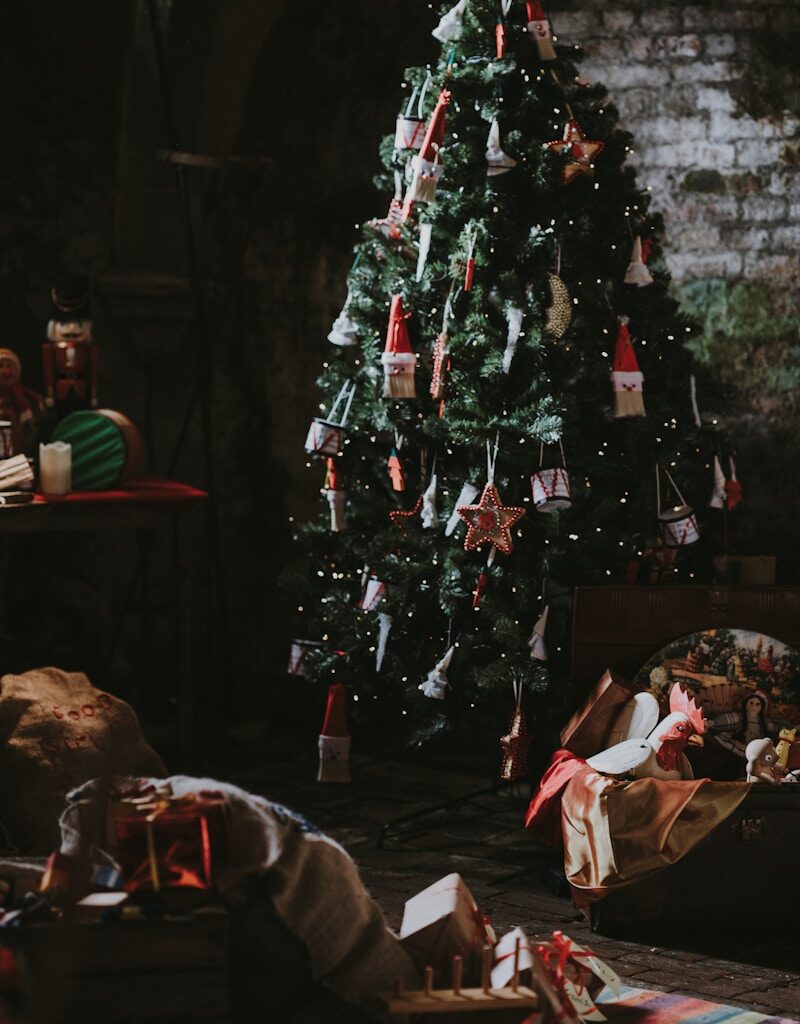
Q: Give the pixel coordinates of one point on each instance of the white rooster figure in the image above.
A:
(646, 752)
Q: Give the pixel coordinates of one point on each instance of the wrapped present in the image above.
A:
(587, 731)
(577, 977)
(171, 842)
(444, 921)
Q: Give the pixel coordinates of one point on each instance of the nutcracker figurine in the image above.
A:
(70, 358)
(17, 403)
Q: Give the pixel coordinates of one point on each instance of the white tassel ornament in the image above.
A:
(497, 160)
(637, 272)
(429, 515)
(469, 492)
(514, 317)
(425, 233)
(436, 683)
(451, 25)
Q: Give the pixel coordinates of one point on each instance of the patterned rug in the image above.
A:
(638, 1006)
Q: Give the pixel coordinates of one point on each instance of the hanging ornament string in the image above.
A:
(558, 259)
(675, 487)
(693, 397)
(491, 462)
(658, 491)
(560, 448)
(346, 392)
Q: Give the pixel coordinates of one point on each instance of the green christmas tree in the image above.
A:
(511, 264)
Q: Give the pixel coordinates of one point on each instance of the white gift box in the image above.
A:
(444, 921)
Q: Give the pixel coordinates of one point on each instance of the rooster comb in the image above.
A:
(679, 700)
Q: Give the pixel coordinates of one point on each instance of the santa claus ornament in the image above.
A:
(637, 272)
(490, 521)
(436, 683)
(678, 523)
(579, 151)
(326, 436)
(551, 488)
(334, 491)
(426, 166)
(399, 361)
(539, 29)
(516, 742)
(334, 740)
(626, 377)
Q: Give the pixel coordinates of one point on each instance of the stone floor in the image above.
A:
(514, 882)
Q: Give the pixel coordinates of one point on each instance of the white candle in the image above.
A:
(55, 468)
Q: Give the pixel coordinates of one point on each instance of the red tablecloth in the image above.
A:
(143, 490)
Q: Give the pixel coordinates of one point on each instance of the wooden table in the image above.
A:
(141, 505)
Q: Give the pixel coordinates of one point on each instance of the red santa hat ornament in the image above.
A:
(334, 740)
(539, 29)
(427, 164)
(399, 361)
(626, 377)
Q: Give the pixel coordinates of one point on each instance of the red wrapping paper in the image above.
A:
(543, 817)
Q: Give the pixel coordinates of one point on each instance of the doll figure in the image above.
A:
(736, 729)
(70, 359)
(17, 404)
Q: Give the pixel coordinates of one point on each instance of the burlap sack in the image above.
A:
(56, 732)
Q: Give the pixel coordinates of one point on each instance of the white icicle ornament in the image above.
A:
(536, 642)
(436, 683)
(384, 628)
(451, 24)
(718, 494)
(497, 160)
(469, 492)
(514, 319)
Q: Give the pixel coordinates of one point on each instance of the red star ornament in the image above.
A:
(490, 521)
(579, 150)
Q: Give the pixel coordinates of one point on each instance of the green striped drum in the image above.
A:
(106, 448)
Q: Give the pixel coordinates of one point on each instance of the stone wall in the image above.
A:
(724, 180)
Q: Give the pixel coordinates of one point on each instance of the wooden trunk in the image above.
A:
(735, 880)
(622, 626)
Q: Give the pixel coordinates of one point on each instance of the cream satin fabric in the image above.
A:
(616, 832)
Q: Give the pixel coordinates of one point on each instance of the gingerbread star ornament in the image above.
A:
(579, 150)
(490, 521)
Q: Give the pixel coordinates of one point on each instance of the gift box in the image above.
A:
(444, 921)
(586, 732)
(575, 977)
(171, 842)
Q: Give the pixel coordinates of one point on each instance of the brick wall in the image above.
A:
(731, 200)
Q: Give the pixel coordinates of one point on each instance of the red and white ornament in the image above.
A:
(409, 129)
(334, 491)
(539, 29)
(375, 593)
(733, 489)
(679, 526)
(579, 151)
(298, 652)
(718, 496)
(399, 361)
(334, 739)
(551, 488)
(427, 164)
(326, 436)
(626, 377)
(490, 521)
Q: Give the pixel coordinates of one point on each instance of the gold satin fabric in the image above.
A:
(617, 832)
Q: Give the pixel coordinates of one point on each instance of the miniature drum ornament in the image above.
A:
(409, 132)
(375, 592)
(679, 526)
(551, 490)
(6, 442)
(107, 448)
(324, 437)
(298, 653)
